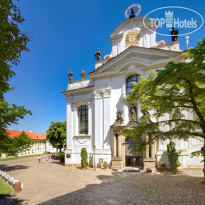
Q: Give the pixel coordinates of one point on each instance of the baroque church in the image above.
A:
(97, 110)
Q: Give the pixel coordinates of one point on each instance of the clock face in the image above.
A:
(132, 38)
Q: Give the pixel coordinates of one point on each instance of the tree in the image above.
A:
(18, 144)
(173, 156)
(176, 90)
(84, 158)
(12, 42)
(56, 134)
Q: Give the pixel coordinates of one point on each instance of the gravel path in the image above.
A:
(51, 183)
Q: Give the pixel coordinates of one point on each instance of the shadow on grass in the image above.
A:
(4, 195)
(10, 200)
(5, 167)
(136, 188)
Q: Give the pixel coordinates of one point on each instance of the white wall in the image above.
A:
(49, 147)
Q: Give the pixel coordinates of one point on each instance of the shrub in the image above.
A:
(163, 165)
(105, 164)
(173, 155)
(61, 156)
(203, 182)
(84, 158)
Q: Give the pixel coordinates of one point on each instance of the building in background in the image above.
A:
(39, 146)
(41, 143)
(50, 148)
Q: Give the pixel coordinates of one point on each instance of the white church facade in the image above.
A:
(92, 104)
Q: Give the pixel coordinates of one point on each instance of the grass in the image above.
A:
(203, 181)
(26, 156)
(5, 189)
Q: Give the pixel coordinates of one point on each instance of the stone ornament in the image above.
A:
(119, 121)
(131, 9)
(97, 55)
(102, 93)
(132, 38)
(107, 93)
(79, 141)
(174, 34)
(82, 75)
(119, 117)
(133, 112)
(187, 41)
(70, 76)
(84, 83)
(97, 94)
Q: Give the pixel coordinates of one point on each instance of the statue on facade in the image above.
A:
(70, 76)
(132, 13)
(174, 34)
(82, 75)
(119, 119)
(145, 112)
(119, 115)
(97, 55)
(133, 112)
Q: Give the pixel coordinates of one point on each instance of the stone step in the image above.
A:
(131, 169)
(115, 168)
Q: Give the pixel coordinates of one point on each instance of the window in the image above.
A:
(83, 119)
(133, 78)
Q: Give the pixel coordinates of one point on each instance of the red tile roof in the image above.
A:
(32, 135)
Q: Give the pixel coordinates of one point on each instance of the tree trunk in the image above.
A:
(204, 167)
(203, 152)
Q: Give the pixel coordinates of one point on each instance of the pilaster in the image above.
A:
(98, 119)
(106, 119)
(69, 123)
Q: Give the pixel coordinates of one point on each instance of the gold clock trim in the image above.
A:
(132, 38)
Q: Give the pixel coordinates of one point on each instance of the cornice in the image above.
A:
(77, 90)
(136, 49)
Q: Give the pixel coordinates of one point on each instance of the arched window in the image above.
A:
(83, 119)
(133, 78)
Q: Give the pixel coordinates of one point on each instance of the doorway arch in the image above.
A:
(132, 159)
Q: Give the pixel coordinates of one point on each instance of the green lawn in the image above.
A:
(26, 156)
(4, 188)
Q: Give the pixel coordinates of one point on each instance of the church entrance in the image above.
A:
(132, 159)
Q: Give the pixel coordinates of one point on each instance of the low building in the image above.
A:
(39, 146)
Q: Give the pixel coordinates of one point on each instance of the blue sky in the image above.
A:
(65, 34)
